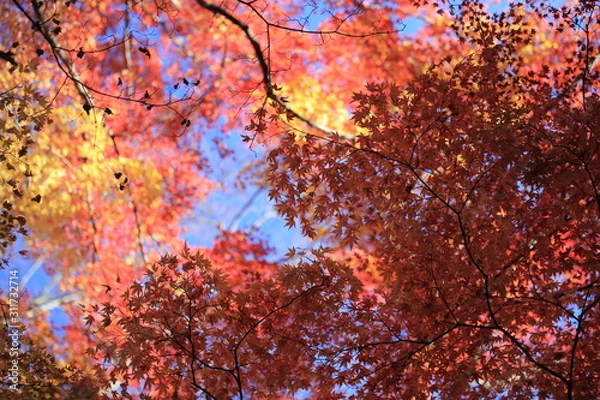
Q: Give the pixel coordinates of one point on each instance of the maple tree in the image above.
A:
(451, 173)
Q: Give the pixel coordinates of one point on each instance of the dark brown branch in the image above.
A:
(60, 55)
(263, 64)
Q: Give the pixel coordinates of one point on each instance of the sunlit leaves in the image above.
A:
(23, 111)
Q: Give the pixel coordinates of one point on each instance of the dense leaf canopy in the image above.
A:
(442, 161)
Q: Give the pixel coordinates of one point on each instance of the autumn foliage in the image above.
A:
(441, 160)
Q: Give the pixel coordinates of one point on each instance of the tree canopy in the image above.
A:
(441, 160)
